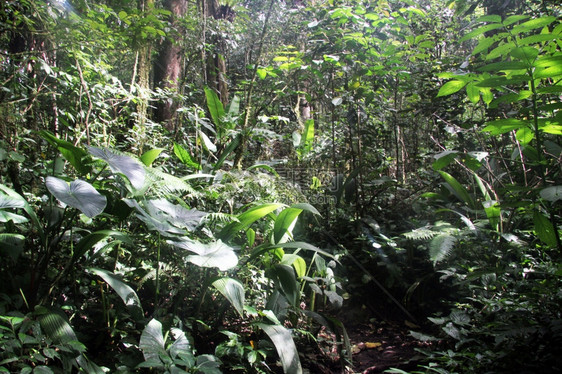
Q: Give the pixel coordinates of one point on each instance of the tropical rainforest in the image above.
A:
(280, 186)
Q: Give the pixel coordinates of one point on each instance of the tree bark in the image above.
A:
(168, 69)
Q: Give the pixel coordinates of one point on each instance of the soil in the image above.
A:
(377, 345)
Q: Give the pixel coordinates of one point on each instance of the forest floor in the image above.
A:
(377, 345)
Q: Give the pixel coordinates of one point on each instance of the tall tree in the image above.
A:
(168, 69)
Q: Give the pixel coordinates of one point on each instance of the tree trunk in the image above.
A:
(216, 63)
(169, 67)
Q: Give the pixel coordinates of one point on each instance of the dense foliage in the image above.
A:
(213, 185)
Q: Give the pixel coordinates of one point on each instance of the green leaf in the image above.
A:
(233, 291)
(89, 241)
(526, 54)
(123, 164)
(55, 325)
(125, 292)
(80, 195)
(11, 244)
(284, 224)
(504, 65)
(292, 245)
(26, 207)
(72, 154)
(262, 73)
(207, 143)
(513, 19)
(552, 193)
(550, 72)
(149, 156)
(215, 254)
(502, 126)
(473, 92)
(533, 24)
(227, 151)
(458, 189)
(525, 135)
(184, 156)
(481, 30)
(544, 229)
(215, 106)
(307, 138)
(152, 341)
(501, 50)
(451, 87)
(483, 45)
(285, 346)
(443, 159)
(246, 219)
(298, 263)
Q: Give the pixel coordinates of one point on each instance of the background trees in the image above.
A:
(216, 169)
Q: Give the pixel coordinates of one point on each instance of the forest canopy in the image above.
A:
(243, 185)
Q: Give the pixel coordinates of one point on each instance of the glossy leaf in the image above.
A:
(544, 229)
(215, 254)
(184, 156)
(233, 290)
(152, 341)
(247, 218)
(451, 87)
(122, 164)
(149, 156)
(285, 346)
(215, 106)
(79, 194)
(552, 193)
(125, 292)
(458, 189)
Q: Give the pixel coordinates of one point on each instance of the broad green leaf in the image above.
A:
(285, 275)
(525, 135)
(284, 224)
(152, 341)
(451, 87)
(297, 262)
(547, 61)
(501, 50)
(215, 254)
(89, 241)
(55, 325)
(443, 159)
(544, 229)
(307, 138)
(233, 290)
(79, 194)
(552, 193)
(533, 24)
(11, 244)
(473, 92)
(123, 164)
(181, 347)
(525, 54)
(481, 30)
(149, 156)
(458, 189)
(71, 153)
(285, 346)
(502, 66)
(234, 106)
(502, 126)
(292, 245)
(550, 72)
(306, 207)
(207, 143)
(493, 213)
(11, 202)
(513, 19)
(215, 106)
(9, 216)
(262, 73)
(488, 19)
(26, 207)
(125, 292)
(483, 45)
(534, 39)
(184, 156)
(247, 218)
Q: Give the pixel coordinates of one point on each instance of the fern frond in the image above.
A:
(164, 183)
(220, 217)
(441, 247)
(422, 233)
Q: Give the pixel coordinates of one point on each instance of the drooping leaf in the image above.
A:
(11, 244)
(26, 207)
(481, 30)
(287, 281)
(89, 241)
(284, 224)
(297, 262)
(458, 189)
(233, 290)
(215, 254)
(125, 292)
(71, 153)
(246, 219)
(122, 164)
(285, 346)
(502, 126)
(55, 325)
(79, 194)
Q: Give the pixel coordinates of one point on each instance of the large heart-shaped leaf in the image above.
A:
(123, 164)
(79, 194)
(215, 254)
(152, 341)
